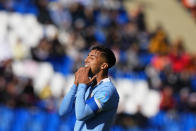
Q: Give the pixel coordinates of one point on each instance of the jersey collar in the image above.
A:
(104, 80)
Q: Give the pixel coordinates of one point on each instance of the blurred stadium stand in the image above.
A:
(42, 42)
(177, 16)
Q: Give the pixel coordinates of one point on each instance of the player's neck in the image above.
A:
(101, 75)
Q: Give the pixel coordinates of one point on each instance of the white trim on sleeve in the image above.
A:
(98, 104)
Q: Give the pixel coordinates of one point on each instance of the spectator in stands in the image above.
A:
(44, 16)
(192, 102)
(6, 5)
(42, 51)
(159, 42)
(128, 35)
(192, 65)
(182, 104)
(28, 98)
(2, 88)
(140, 19)
(160, 61)
(180, 59)
(61, 16)
(140, 120)
(56, 49)
(132, 57)
(167, 99)
(77, 14)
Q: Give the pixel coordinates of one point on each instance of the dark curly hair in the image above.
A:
(107, 54)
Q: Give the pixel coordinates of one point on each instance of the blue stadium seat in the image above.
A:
(102, 21)
(171, 126)
(122, 17)
(19, 7)
(142, 75)
(6, 118)
(37, 121)
(32, 10)
(22, 117)
(52, 123)
(67, 122)
(187, 121)
(117, 128)
(62, 64)
(193, 83)
(65, 127)
(100, 36)
(150, 129)
(158, 120)
(145, 58)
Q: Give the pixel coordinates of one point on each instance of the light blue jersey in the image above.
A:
(95, 107)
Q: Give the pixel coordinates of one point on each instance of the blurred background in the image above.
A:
(42, 42)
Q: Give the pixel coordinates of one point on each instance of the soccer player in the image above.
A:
(93, 94)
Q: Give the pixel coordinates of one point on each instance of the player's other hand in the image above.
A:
(81, 76)
(76, 79)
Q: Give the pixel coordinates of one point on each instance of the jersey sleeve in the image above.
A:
(68, 101)
(99, 101)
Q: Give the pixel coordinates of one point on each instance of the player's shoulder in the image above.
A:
(107, 93)
(106, 88)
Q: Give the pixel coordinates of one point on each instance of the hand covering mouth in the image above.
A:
(86, 65)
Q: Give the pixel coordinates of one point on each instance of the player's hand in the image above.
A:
(76, 79)
(82, 76)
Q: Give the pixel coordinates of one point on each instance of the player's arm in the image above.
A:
(83, 110)
(68, 101)
(87, 109)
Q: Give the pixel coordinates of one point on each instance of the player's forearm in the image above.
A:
(68, 101)
(82, 110)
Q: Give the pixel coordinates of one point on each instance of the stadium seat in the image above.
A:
(100, 36)
(159, 120)
(43, 77)
(53, 122)
(117, 128)
(62, 64)
(150, 105)
(193, 83)
(67, 122)
(57, 84)
(171, 125)
(6, 118)
(187, 121)
(122, 17)
(37, 121)
(22, 116)
(145, 58)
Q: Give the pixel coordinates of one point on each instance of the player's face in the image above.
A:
(94, 61)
